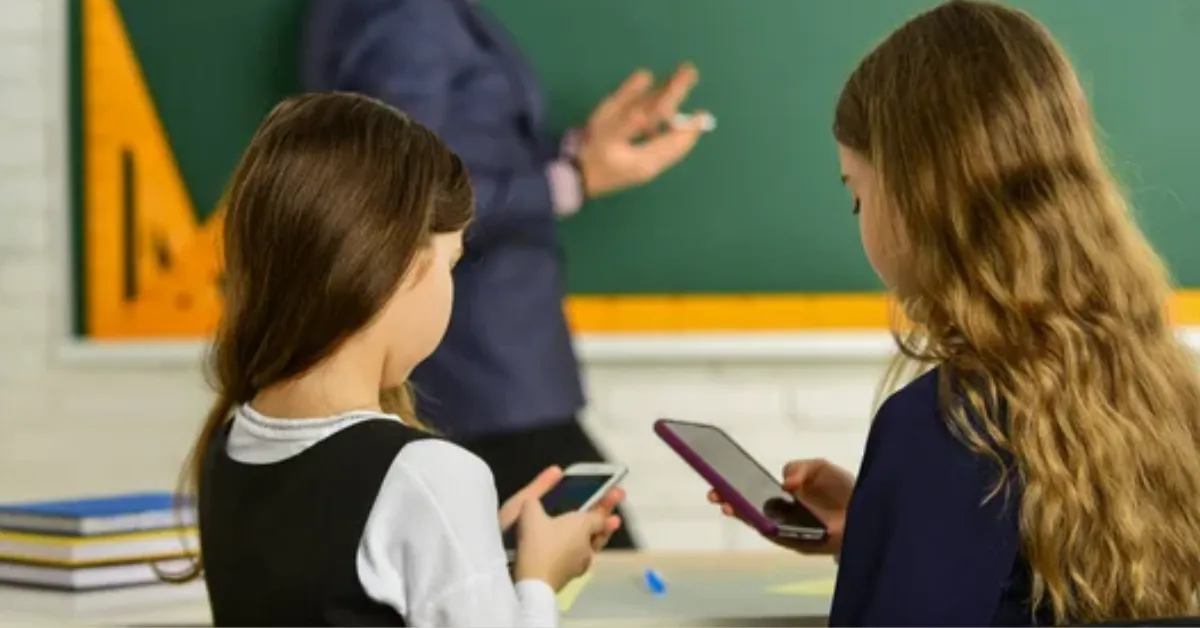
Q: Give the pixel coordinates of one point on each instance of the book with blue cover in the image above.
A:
(95, 516)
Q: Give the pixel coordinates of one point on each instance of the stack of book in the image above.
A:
(95, 543)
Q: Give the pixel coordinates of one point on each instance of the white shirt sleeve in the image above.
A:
(432, 550)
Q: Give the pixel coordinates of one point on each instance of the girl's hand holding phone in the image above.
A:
(822, 487)
(559, 549)
(545, 482)
(556, 550)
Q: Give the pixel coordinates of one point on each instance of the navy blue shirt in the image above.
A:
(922, 546)
(506, 363)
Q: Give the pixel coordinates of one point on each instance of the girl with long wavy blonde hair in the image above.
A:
(1045, 468)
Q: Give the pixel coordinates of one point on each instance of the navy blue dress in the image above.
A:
(922, 548)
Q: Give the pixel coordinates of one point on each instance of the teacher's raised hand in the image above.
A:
(631, 137)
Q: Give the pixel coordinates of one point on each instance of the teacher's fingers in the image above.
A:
(657, 109)
(615, 107)
(666, 102)
(666, 149)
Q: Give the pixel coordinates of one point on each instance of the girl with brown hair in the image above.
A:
(1046, 466)
(321, 500)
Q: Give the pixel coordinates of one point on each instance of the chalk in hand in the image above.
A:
(707, 121)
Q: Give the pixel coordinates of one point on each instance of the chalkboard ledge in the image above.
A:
(607, 348)
(840, 346)
(813, 347)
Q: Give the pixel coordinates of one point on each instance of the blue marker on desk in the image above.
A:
(655, 583)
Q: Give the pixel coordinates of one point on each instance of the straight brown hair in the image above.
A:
(325, 214)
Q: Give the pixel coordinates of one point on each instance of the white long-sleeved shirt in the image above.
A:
(431, 548)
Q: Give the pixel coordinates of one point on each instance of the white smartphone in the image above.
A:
(583, 485)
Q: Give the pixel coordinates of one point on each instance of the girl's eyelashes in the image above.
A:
(857, 206)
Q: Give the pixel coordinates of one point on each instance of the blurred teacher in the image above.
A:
(505, 380)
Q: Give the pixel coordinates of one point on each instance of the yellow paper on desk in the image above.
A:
(816, 587)
(569, 593)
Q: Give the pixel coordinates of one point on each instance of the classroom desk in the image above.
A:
(760, 588)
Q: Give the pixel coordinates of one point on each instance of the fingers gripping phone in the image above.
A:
(582, 486)
(753, 493)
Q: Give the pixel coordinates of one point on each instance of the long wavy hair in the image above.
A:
(325, 215)
(1025, 277)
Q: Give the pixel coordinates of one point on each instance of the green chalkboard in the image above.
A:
(758, 206)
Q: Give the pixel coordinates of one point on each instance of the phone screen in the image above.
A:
(745, 475)
(569, 495)
(572, 492)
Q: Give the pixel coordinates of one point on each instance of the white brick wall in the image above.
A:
(778, 411)
(68, 428)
